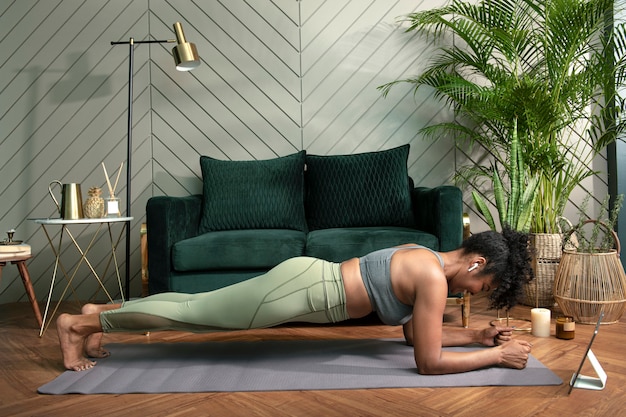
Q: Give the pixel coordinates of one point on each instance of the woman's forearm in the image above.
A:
(452, 336)
(456, 362)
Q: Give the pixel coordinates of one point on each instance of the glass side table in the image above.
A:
(57, 249)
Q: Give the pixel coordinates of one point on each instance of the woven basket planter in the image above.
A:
(588, 283)
(547, 250)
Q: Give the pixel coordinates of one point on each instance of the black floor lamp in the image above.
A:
(186, 59)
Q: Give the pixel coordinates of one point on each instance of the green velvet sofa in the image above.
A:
(253, 215)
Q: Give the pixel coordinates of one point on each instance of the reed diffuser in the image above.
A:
(112, 203)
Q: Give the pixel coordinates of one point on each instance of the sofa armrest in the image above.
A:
(169, 220)
(439, 211)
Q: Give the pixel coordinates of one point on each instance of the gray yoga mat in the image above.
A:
(275, 365)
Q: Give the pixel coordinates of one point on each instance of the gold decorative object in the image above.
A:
(94, 205)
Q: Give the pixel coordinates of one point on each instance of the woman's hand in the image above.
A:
(515, 354)
(496, 336)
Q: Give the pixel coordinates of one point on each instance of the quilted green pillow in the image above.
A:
(359, 190)
(266, 194)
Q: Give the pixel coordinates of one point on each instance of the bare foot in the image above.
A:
(93, 342)
(72, 345)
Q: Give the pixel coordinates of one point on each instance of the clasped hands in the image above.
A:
(514, 353)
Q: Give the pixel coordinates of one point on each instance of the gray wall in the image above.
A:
(277, 76)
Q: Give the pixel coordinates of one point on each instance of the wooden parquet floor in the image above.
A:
(28, 361)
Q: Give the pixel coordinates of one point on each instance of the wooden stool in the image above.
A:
(20, 261)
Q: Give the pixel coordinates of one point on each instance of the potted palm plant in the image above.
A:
(541, 68)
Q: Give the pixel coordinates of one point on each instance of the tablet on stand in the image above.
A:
(589, 382)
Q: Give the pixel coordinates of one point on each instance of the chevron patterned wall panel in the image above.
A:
(276, 77)
(242, 103)
(348, 50)
(63, 113)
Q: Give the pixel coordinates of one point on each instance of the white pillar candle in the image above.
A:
(540, 322)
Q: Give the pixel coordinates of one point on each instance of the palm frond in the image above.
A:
(541, 63)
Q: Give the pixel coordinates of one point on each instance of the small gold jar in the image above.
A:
(565, 327)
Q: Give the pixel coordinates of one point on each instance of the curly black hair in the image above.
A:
(508, 258)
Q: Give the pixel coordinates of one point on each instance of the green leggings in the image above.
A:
(297, 290)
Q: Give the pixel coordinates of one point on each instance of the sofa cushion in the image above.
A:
(337, 245)
(359, 190)
(265, 194)
(237, 249)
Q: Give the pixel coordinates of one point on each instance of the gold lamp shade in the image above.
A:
(185, 53)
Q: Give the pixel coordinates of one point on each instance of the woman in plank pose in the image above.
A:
(406, 285)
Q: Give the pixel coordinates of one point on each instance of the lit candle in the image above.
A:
(540, 322)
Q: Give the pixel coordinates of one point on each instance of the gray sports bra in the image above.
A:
(376, 272)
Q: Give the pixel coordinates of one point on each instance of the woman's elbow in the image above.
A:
(428, 368)
(428, 371)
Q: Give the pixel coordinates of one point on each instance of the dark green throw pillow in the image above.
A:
(359, 190)
(266, 194)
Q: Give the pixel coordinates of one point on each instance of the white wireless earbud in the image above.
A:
(470, 269)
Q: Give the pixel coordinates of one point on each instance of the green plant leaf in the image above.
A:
(484, 210)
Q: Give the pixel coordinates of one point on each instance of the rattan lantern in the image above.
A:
(588, 283)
